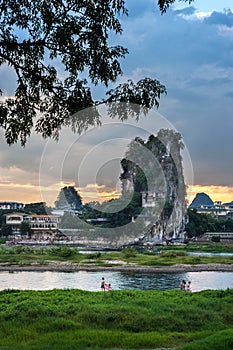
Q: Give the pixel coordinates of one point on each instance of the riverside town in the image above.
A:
(152, 216)
(35, 223)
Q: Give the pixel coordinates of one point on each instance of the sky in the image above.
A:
(189, 50)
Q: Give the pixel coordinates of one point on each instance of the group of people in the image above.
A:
(185, 286)
(105, 286)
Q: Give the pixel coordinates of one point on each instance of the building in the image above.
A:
(151, 199)
(217, 210)
(11, 205)
(226, 237)
(97, 221)
(204, 205)
(61, 212)
(42, 226)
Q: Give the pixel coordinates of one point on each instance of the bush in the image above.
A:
(94, 255)
(64, 252)
(174, 254)
(129, 252)
(215, 239)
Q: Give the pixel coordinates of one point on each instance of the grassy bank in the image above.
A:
(204, 247)
(74, 319)
(23, 255)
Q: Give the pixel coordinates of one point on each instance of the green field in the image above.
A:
(75, 319)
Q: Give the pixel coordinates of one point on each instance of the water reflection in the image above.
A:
(227, 255)
(119, 280)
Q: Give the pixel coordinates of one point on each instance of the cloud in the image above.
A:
(140, 8)
(216, 193)
(8, 80)
(193, 58)
(91, 158)
(224, 18)
(187, 11)
(93, 192)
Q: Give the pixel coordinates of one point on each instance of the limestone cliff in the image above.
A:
(154, 168)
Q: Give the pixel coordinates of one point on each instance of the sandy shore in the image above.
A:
(72, 267)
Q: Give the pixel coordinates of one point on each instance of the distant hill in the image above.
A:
(201, 199)
(68, 198)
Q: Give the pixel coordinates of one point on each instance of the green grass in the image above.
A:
(75, 319)
(205, 247)
(24, 255)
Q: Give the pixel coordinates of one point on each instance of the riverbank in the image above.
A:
(74, 267)
(70, 260)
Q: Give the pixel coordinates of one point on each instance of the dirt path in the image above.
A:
(72, 267)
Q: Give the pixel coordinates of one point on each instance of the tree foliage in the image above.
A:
(165, 4)
(36, 208)
(25, 228)
(59, 50)
(3, 213)
(200, 223)
(6, 230)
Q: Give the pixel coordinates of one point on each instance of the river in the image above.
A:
(90, 281)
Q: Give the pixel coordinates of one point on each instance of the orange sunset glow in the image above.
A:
(31, 193)
(216, 193)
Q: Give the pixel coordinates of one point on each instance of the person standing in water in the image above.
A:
(188, 287)
(182, 285)
(102, 284)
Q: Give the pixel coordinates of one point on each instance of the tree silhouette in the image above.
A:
(59, 50)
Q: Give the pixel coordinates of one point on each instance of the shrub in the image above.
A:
(174, 254)
(64, 252)
(215, 239)
(129, 252)
(93, 255)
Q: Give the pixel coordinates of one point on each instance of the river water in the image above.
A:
(119, 280)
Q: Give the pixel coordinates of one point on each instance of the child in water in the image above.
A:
(107, 286)
(182, 285)
(188, 288)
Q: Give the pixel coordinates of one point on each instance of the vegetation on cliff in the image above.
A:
(151, 168)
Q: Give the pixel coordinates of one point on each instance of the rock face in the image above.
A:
(154, 168)
(201, 199)
(68, 198)
(152, 206)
